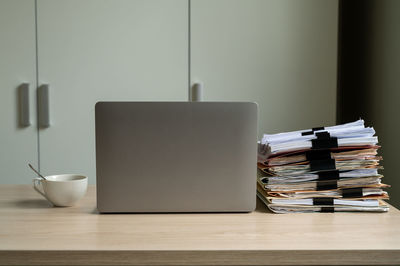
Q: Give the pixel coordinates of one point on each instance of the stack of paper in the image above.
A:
(325, 169)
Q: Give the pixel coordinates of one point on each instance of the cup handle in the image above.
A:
(36, 182)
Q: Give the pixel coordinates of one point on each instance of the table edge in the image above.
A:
(200, 257)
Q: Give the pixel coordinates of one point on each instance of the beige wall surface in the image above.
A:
(279, 53)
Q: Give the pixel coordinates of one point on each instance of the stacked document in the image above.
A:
(324, 169)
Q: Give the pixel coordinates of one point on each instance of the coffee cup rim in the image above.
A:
(53, 178)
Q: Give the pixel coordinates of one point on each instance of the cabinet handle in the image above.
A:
(197, 92)
(23, 95)
(43, 106)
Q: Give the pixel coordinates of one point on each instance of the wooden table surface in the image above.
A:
(32, 232)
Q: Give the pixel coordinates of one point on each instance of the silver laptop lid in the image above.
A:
(176, 156)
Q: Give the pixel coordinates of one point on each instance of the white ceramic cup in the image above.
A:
(61, 190)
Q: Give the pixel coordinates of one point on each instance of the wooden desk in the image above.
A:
(34, 233)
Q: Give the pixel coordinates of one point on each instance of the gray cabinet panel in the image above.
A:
(103, 50)
(18, 140)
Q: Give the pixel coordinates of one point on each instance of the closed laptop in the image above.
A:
(176, 156)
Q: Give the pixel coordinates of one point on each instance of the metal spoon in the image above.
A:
(37, 172)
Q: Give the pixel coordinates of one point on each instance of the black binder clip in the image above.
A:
(327, 209)
(305, 133)
(323, 201)
(318, 155)
(327, 185)
(322, 165)
(324, 141)
(328, 175)
(352, 192)
(323, 135)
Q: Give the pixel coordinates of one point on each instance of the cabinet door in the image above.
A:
(104, 50)
(279, 53)
(17, 65)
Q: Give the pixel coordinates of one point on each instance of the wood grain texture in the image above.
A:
(33, 232)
